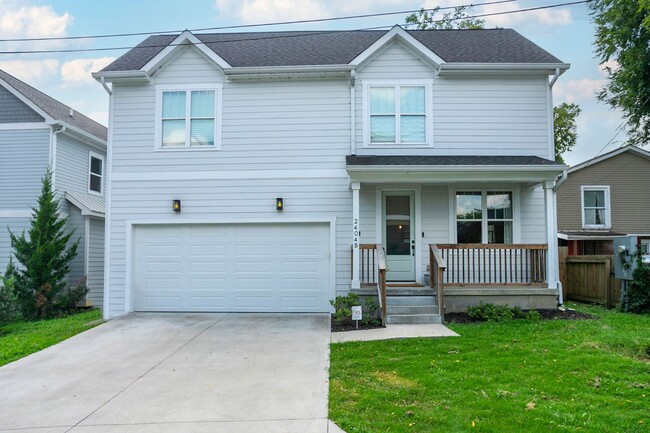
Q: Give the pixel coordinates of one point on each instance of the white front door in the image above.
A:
(399, 239)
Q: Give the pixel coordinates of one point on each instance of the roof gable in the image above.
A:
(50, 109)
(632, 149)
(13, 110)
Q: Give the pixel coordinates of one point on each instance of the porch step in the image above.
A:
(411, 309)
(406, 308)
(412, 319)
(402, 300)
(409, 291)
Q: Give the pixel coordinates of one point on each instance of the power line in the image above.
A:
(241, 26)
(79, 50)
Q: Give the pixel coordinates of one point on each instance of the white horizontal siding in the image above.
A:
(77, 222)
(24, 158)
(16, 225)
(533, 216)
(72, 164)
(96, 262)
(485, 115)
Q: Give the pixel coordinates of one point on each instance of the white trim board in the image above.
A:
(230, 175)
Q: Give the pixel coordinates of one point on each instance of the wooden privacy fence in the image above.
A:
(589, 278)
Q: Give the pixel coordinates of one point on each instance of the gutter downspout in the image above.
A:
(54, 146)
(353, 113)
(108, 89)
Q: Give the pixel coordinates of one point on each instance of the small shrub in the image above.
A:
(9, 310)
(500, 313)
(637, 296)
(343, 309)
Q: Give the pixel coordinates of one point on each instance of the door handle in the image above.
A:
(413, 247)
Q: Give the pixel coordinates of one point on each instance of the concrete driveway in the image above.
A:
(175, 373)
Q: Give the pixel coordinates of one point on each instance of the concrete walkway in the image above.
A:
(231, 373)
(393, 332)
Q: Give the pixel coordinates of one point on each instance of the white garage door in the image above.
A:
(231, 267)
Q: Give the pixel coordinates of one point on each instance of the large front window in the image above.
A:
(188, 118)
(484, 217)
(397, 114)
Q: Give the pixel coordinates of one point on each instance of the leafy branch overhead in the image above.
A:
(458, 19)
(623, 39)
(564, 124)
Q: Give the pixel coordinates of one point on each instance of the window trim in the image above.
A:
(92, 155)
(608, 207)
(188, 88)
(516, 212)
(428, 112)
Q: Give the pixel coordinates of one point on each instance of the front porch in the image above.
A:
(459, 276)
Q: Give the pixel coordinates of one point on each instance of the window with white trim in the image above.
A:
(188, 118)
(595, 207)
(95, 173)
(484, 217)
(398, 114)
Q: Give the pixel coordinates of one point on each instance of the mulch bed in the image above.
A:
(350, 326)
(464, 318)
(545, 314)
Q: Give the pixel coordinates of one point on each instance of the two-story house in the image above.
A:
(269, 171)
(604, 198)
(38, 132)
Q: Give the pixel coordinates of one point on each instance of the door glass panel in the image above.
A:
(398, 225)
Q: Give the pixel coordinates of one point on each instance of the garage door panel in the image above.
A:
(236, 267)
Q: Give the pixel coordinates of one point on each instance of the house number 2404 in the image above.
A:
(355, 233)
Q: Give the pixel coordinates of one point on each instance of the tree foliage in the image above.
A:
(564, 124)
(44, 256)
(458, 19)
(623, 37)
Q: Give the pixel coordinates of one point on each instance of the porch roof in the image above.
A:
(451, 168)
(589, 235)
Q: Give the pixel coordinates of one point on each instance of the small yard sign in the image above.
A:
(356, 315)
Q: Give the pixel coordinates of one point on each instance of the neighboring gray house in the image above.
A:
(403, 141)
(37, 132)
(604, 198)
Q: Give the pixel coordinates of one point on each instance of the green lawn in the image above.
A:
(19, 339)
(551, 376)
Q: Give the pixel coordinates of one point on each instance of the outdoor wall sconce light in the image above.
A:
(176, 206)
(279, 204)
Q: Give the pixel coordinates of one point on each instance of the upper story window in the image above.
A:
(484, 217)
(95, 174)
(188, 118)
(398, 114)
(595, 207)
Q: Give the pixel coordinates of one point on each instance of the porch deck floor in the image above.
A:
(393, 332)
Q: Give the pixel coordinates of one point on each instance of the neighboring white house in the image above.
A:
(37, 132)
(399, 138)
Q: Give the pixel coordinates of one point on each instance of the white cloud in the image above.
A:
(582, 90)
(78, 71)
(264, 11)
(612, 64)
(33, 21)
(547, 17)
(31, 70)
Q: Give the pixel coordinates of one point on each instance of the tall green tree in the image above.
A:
(564, 124)
(623, 36)
(458, 19)
(43, 256)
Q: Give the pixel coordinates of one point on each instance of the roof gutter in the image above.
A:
(557, 68)
(110, 76)
(455, 168)
(289, 72)
(67, 126)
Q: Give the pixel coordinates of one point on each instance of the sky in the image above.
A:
(565, 32)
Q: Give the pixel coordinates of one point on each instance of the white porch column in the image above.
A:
(551, 237)
(355, 186)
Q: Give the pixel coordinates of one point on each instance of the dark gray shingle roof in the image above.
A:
(341, 47)
(54, 108)
(362, 160)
